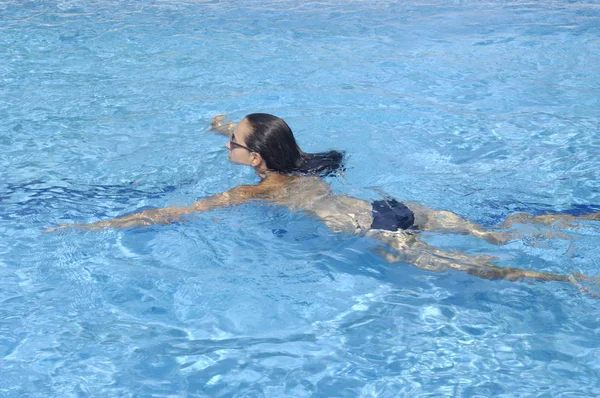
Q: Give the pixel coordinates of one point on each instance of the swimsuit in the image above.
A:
(391, 215)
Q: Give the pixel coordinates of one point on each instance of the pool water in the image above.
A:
(482, 108)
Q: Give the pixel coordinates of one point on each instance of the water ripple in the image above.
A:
(484, 108)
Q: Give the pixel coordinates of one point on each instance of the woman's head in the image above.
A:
(270, 138)
(266, 142)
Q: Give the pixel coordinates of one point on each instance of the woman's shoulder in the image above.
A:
(287, 179)
(291, 184)
(293, 191)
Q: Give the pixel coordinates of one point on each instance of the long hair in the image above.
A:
(273, 139)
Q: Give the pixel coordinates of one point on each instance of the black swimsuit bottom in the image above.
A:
(391, 215)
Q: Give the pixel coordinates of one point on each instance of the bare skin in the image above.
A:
(565, 220)
(219, 125)
(312, 196)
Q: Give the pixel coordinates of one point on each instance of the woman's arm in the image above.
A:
(167, 215)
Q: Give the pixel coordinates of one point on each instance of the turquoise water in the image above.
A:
(481, 108)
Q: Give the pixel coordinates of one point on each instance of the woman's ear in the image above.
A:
(256, 159)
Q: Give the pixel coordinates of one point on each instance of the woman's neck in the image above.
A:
(263, 172)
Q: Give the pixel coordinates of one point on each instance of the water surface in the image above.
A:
(481, 108)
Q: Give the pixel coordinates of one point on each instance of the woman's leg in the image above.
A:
(410, 249)
(447, 222)
(548, 219)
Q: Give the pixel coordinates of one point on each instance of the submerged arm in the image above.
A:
(167, 215)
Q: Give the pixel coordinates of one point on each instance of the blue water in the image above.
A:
(481, 108)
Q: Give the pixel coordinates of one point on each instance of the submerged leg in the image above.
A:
(548, 219)
(448, 222)
(411, 250)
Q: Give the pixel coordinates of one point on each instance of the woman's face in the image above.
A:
(238, 151)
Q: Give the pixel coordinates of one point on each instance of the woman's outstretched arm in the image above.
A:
(167, 215)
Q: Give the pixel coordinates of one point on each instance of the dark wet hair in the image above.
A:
(273, 139)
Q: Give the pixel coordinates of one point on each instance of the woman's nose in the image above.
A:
(228, 146)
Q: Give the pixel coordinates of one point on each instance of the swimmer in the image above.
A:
(292, 178)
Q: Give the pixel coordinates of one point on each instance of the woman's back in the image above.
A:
(313, 196)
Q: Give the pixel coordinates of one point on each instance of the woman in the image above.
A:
(291, 178)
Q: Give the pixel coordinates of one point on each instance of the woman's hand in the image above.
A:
(219, 127)
(83, 227)
(54, 229)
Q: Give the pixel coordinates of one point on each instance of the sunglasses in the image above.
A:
(233, 145)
